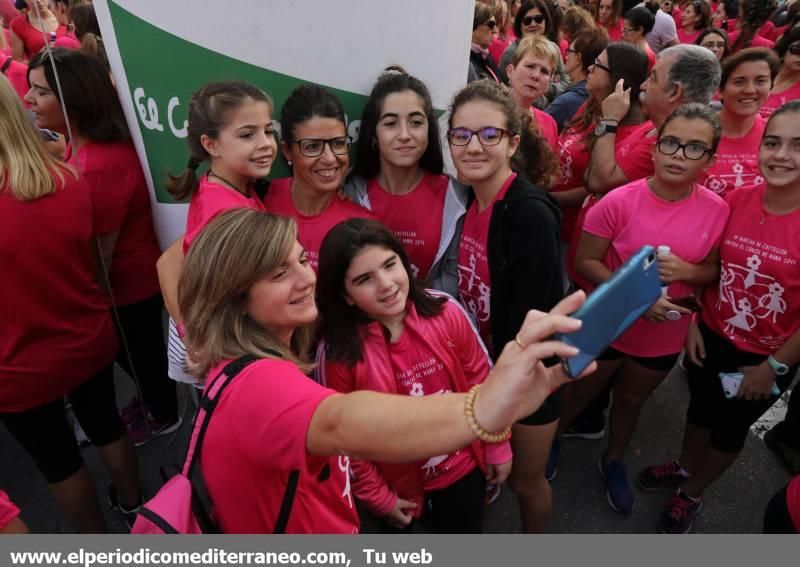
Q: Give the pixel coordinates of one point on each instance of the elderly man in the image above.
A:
(683, 73)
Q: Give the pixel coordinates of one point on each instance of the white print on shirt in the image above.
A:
(344, 466)
(565, 158)
(720, 183)
(409, 238)
(746, 293)
(479, 309)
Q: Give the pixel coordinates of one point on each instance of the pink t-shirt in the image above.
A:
(8, 512)
(17, 75)
(756, 304)
(418, 372)
(756, 41)
(687, 37)
(547, 127)
(68, 41)
(776, 100)
(122, 204)
(256, 437)
(573, 160)
(634, 155)
(633, 216)
(212, 199)
(474, 282)
(615, 31)
(498, 46)
(736, 166)
(415, 218)
(311, 229)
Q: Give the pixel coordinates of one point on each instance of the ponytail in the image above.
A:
(184, 185)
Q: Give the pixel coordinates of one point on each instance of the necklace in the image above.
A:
(228, 183)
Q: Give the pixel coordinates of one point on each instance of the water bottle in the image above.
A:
(663, 251)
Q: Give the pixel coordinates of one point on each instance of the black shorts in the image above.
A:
(659, 363)
(46, 435)
(547, 413)
(728, 420)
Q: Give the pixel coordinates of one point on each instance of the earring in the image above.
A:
(289, 162)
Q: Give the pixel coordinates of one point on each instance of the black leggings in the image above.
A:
(456, 509)
(728, 420)
(47, 436)
(143, 327)
(788, 430)
(776, 517)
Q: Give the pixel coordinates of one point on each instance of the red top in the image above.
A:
(312, 229)
(434, 355)
(32, 39)
(776, 100)
(547, 127)
(756, 305)
(68, 41)
(685, 37)
(17, 75)
(255, 438)
(634, 154)
(756, 41)
(415, 218)
(8, 512)
(573, 160)
(793, 501)
(55, 324)
(122, 204)
(615, 31)
(474, 282)
(210, 200)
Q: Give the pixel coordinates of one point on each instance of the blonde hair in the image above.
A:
(27, 171)
(231, 254)
(538, 46)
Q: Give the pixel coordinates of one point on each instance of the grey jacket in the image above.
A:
(443, 275)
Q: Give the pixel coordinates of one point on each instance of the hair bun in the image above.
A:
(393, 70)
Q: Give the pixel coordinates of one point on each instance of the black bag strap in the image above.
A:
(6, 65)
(286, 504)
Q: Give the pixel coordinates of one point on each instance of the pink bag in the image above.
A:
(178, 507)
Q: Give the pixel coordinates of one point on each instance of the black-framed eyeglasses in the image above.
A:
(628, 30)
(487, 136)
(602, 66)
(569, 50)
(692, 151)
(314, 147)
(794, 49)
(528, 20)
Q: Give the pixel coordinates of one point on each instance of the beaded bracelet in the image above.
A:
(480, 432)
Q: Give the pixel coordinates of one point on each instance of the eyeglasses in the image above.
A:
(569, 50)
(628, 30)
(692, 151)
(314, 147)
(794, 49)
(713, 44)
(487, 136)
(605, 68)
(528, 20)
(491, 24)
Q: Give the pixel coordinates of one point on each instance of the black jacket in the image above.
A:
(524, 250)
(481, 67)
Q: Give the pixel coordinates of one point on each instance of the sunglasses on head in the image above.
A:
(528, 20)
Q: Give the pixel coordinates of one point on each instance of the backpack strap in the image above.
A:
(6, 65)
(286, 503)
(208, 402)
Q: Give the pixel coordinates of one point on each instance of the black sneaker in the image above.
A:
(789, 457)
(679, 514)
(128, 514)
(657, 477)
(583, 428)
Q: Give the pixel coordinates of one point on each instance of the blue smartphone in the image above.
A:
(612, 308)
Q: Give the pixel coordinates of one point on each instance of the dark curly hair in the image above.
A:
(754, 14)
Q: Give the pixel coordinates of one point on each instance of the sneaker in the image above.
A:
(132, 412)
(492, 492)
(661, 476)
(679, 514)
(551, 470)
(128, 514)
(145, 430)
(618, 489)
(586, 429)
(789, 457)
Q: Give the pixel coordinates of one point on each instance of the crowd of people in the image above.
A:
(400, 312)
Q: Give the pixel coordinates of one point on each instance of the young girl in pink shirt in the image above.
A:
(668, 209)
(230, 126)
(383, 331)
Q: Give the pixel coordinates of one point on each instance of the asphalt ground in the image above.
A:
(735, 504)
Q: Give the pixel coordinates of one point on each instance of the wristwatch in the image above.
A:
(604, 128)
(779, 368)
